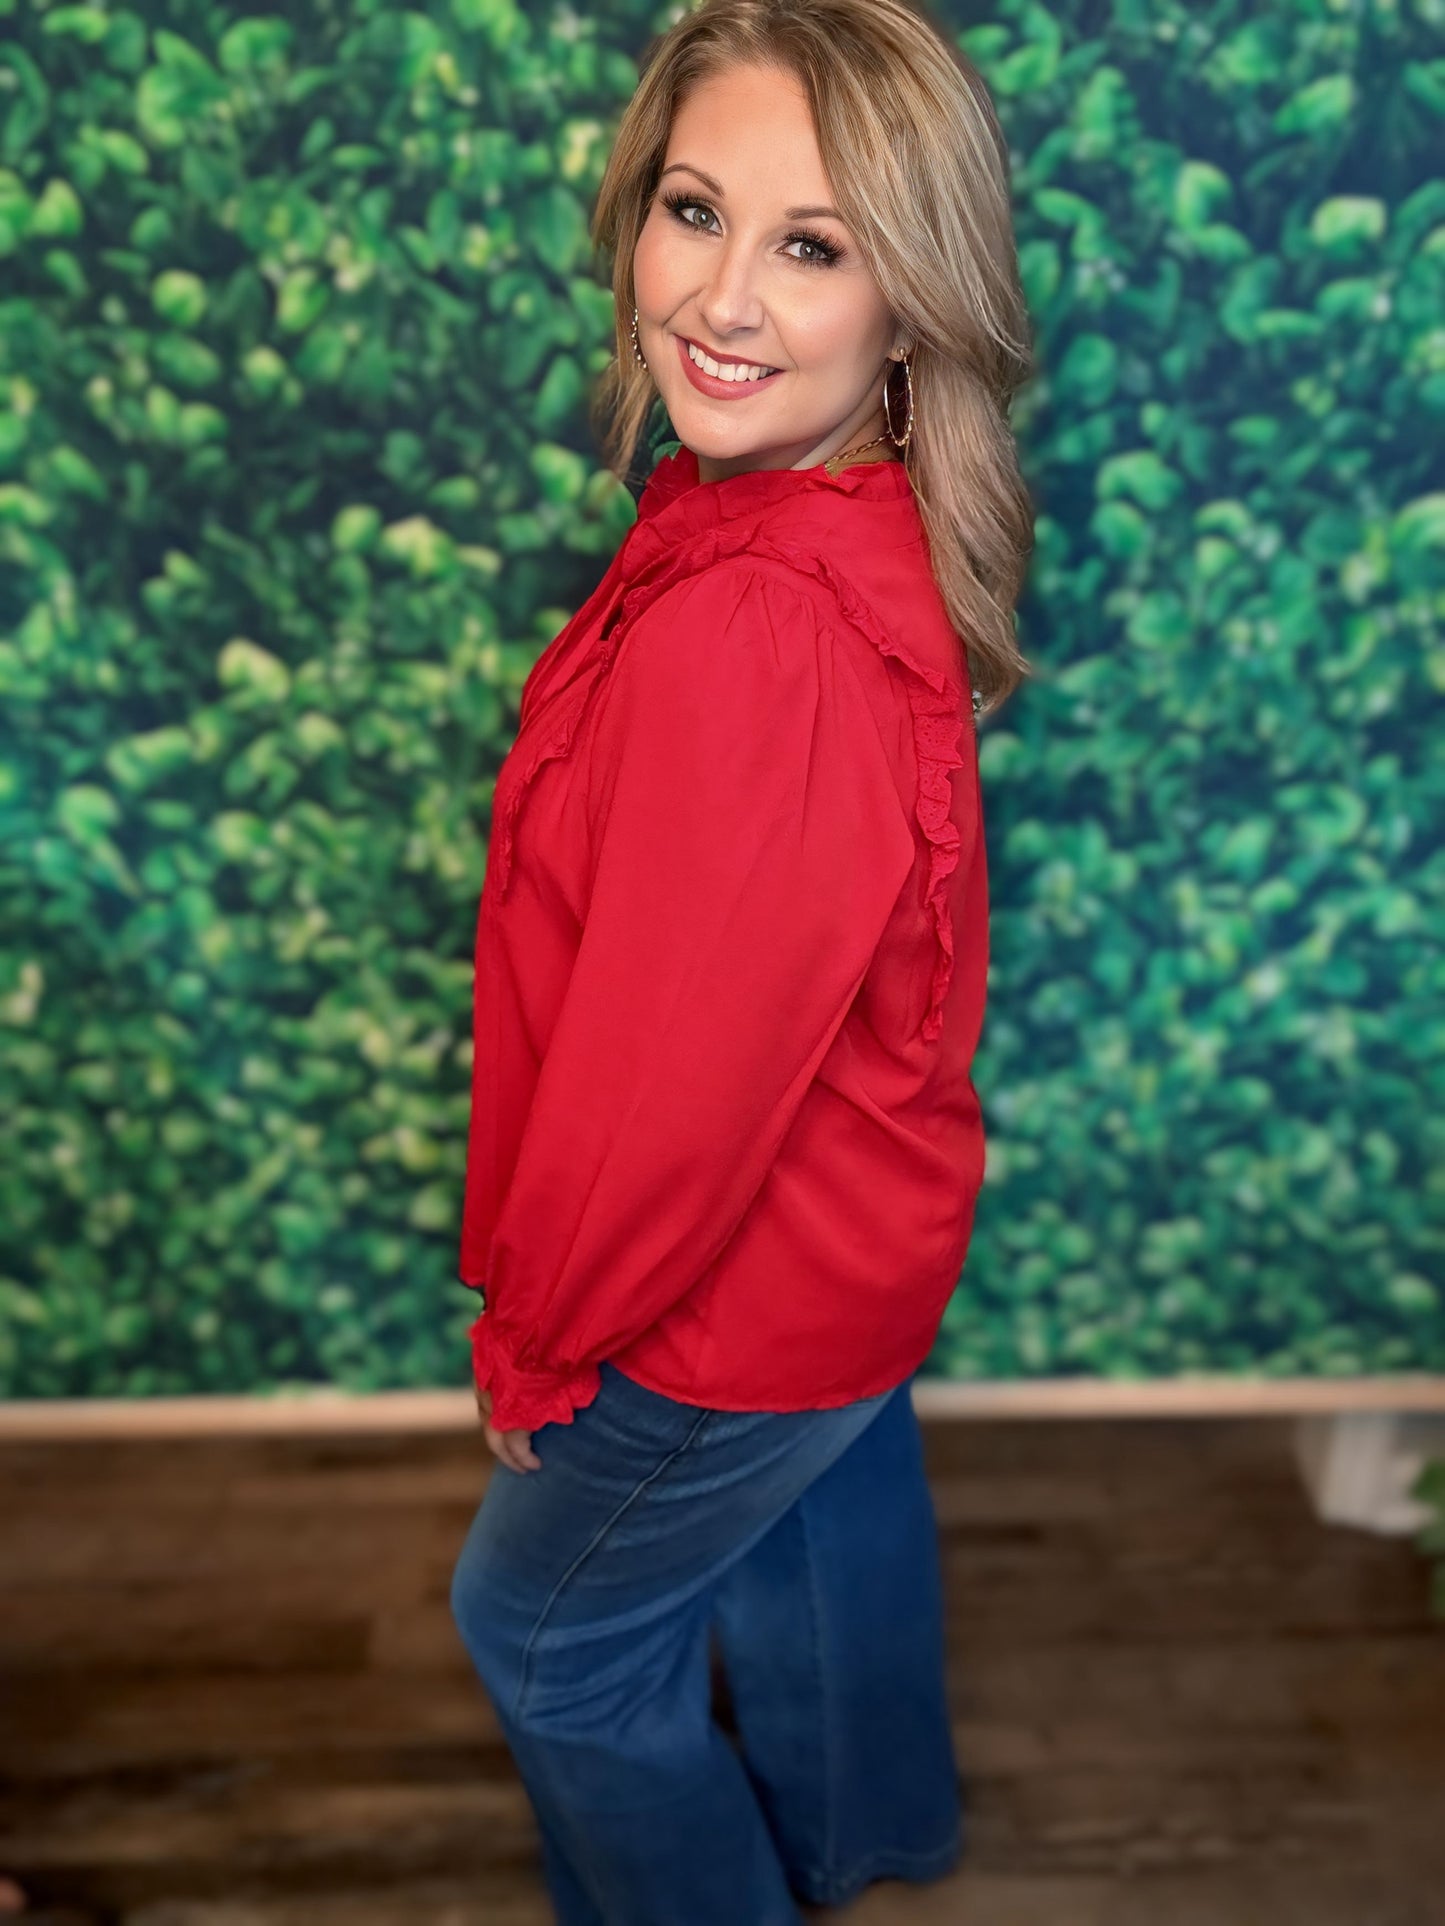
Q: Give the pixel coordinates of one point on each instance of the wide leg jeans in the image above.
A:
(805, 1544)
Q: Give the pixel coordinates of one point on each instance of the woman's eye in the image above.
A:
(678, 204)
(823, 255)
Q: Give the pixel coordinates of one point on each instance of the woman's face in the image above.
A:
(748, 260)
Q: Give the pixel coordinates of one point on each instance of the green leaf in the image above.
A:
(179, 297)
(1347, 220)
(1089, 368)
(58, 210)
(1420, 524)
(1143, 475)
(560, 472)
(252, 670)
(1319, 108)
(301, 299)
(84, 810)
(87, 24)
(1200, 189)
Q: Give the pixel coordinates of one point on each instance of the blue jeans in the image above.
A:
(805, 1542)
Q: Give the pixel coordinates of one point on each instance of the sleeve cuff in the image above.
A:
(526, 1400)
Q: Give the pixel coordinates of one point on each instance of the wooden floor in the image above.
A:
(233, 1694)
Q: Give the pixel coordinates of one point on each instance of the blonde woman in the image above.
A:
(730, 967)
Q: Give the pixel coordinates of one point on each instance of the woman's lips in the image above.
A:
(721, 390)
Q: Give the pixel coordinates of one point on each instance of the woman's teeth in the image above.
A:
(726, 370)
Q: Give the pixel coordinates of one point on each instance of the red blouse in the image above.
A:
(730, 964)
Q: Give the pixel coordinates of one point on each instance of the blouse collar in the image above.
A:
(674, 487)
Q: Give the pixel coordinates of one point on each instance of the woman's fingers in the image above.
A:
(514, 1448)
(511, 1448)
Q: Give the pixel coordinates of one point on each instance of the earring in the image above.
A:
(888, 411)
(636, 344)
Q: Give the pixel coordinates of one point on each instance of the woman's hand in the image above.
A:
(511, 1448)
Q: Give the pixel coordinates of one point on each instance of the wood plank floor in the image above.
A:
(233, 1694)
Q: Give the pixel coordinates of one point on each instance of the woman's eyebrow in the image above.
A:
(715, 187)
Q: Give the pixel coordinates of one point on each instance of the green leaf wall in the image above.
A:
(298, 321)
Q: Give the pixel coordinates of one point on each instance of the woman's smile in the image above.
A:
(721, 387)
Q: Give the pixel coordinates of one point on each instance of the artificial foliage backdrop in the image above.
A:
(298, 319)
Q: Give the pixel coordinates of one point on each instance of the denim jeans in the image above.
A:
(805, 1544)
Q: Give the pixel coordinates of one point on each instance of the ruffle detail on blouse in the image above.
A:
(936, 701)
(676, 476)
(935, 698)
(554, 740)
(526, 1400)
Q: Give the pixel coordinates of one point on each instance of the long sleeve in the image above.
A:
(749, 843)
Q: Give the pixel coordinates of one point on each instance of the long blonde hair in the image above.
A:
(919, 169)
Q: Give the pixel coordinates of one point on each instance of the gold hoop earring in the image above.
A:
(888, 411)
(636, 344)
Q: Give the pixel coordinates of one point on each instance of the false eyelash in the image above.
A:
(676, 200)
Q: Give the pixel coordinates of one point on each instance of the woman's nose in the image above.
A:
(730, 302)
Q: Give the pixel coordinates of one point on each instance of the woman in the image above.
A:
(730, 967)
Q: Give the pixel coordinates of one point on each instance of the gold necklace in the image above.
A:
(835, 462)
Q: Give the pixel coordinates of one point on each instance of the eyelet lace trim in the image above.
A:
(935, 699)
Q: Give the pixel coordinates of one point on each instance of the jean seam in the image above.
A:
(821, 1674)
(525, 1670)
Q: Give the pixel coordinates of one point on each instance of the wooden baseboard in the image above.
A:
(933, 1397)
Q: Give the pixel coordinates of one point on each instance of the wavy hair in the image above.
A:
(919, 169)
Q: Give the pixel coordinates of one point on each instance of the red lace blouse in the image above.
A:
(730, 964)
